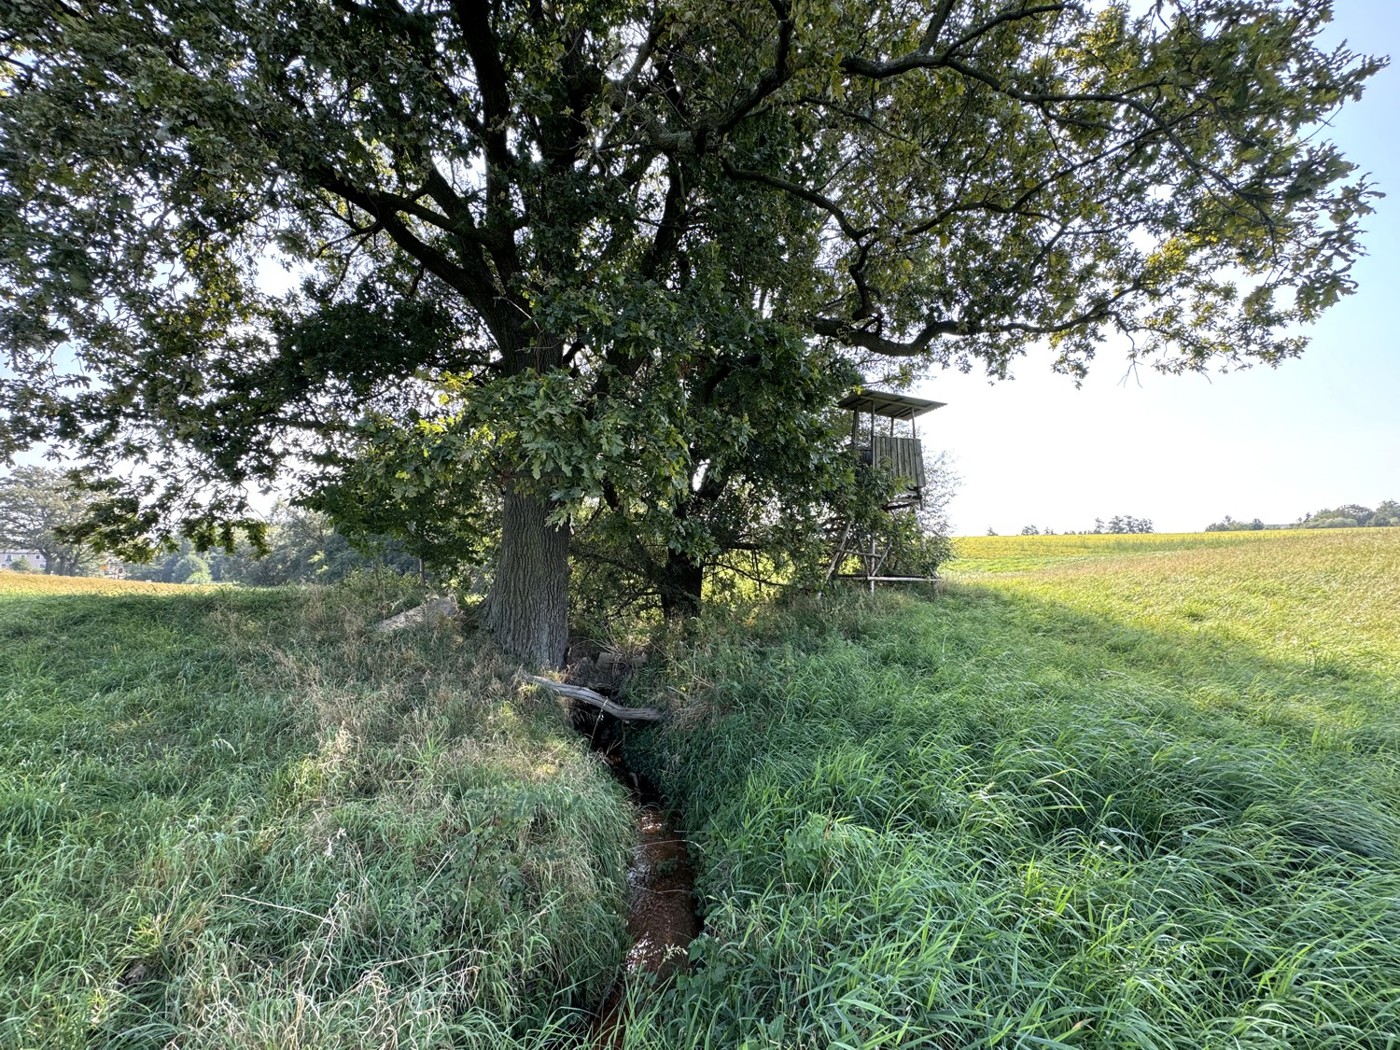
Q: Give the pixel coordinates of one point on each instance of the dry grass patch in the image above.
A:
(30, 584)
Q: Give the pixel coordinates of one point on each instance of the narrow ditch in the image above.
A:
(661, 913)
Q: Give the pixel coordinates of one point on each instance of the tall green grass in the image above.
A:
(1144, 795)
(239, 819)
(1097, 808)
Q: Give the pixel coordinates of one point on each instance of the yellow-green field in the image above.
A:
(33, 584)
(1323, 598)
(986, 554)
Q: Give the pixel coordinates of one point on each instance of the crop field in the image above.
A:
(1098, 792)
(1328, 600)
(987, 554)
(238, 819)
(31, 585)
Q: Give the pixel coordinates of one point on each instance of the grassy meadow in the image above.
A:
(238, 819)
(1003, 554)
(1093, 792)
(1098, 792)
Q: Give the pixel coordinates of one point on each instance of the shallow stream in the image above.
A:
(661, 915)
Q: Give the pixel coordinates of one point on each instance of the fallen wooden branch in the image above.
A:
(598, 700)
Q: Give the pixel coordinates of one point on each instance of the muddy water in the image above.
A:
(661, 917)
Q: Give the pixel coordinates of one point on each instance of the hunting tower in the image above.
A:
(884, 438)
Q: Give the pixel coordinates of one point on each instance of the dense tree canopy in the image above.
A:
(1349, 515)
(606, 263)
(1229, 524)
(1123, 524)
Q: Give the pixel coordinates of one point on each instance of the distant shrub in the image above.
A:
(191, 569)
(1231, 525)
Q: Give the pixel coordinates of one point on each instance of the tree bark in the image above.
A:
(683, 579)
(528, 607)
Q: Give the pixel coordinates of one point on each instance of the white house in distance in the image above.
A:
(33, 559)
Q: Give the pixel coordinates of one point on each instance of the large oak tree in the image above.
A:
(615, 256)
(36, 505)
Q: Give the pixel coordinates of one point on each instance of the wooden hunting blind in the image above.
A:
(884, 438)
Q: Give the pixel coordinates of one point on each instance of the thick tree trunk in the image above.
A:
(528, 607)
(682, 581)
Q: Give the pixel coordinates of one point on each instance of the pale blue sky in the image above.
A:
(1186, 450)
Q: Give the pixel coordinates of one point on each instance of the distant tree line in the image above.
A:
(39, 504)
(1119, 524)
(303, 547)
(1347, 516)
(1353, 515)
(1123, 523)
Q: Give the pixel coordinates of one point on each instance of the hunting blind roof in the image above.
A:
(894, 406)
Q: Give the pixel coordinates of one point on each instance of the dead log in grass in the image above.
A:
(598, 700)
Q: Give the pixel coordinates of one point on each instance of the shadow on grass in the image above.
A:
(1335, 702)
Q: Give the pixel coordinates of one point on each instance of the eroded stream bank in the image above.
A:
(661, 913)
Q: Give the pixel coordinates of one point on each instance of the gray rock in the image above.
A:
(434, 611)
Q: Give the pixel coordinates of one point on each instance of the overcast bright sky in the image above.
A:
(1186, 450)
